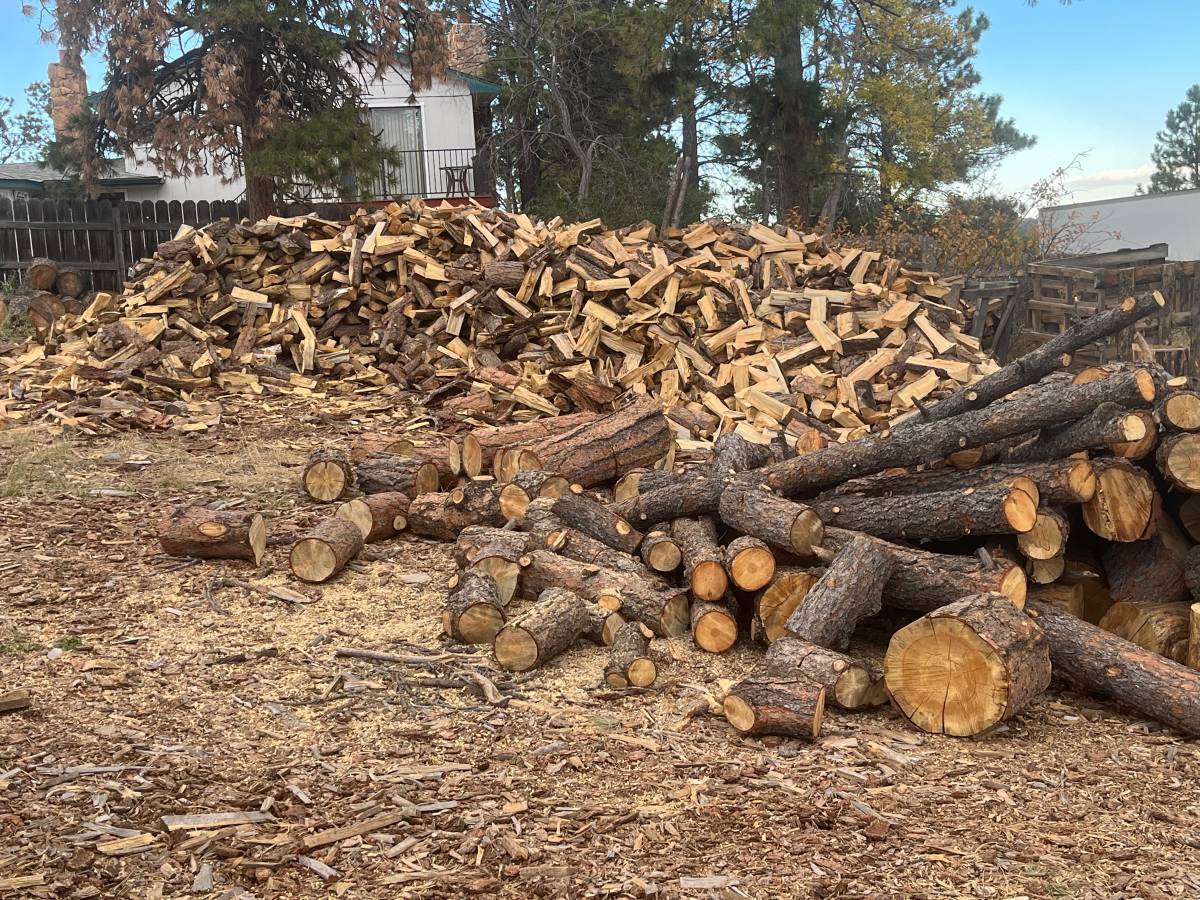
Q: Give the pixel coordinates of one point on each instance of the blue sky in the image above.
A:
(1097, 76)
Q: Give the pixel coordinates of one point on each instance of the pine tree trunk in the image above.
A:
(377, 516)
(474, 613)
(781, 523)
(324, 550)
(750, 563)
(545, 630)
(848, 683)
(629, 661)
(213, 534)
(850, 590)
(703, 569)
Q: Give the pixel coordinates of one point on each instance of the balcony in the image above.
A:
(453, 175)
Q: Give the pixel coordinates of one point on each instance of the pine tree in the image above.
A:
(1176, 152)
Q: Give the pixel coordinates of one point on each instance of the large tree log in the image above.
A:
(41, 273)
(703, 568)
(749, 562)
(327, 475)
(1179, 461)
(1058, 481)
(1161, 628)
(1034, 408)
(388, 473)
(1180, 411)
(732, 453)
(443, 516)
(1107, 424)
(1149, 571)
(629, 660)
(924, 581)
(526, 487)
(714, 626)
(1104, 665)
(481, 446)
(660, 552)
(541, 633)
(597, 521)
(848, 683)
(778, 601)
(213, 534)
(941, 516)
(966, 667)
(776, 701)
(474, 612)
(377, 516)
(604, 450)
(1125, 506)
(1049, 357)
(850, 590)
(325, 549)
(781, 523)
(1048, 537)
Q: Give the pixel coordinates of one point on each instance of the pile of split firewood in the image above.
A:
(493, 317)
(1033, 521)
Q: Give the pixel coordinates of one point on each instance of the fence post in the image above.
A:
(119, 244)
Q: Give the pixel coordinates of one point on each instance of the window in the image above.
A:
(399, 130)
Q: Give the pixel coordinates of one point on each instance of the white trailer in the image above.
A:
(1102, 226)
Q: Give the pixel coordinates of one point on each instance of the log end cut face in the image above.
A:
(777, 603)
(504, 573)
(1182, 410)
(676, 618)
(514, 501)
(709, 580)
(1123, 505)
(664, 556)
(945, 678)
(325, 481)
(806, 532)
(312, 559)
(642, 672)
(770, 709)
(516, 649)
(715, 631)
(258, 537)
(1181, 458)
(1046, 540)
(477, 624)
(854, 688)
(358, 514)
(753, 568)
(1020, 510)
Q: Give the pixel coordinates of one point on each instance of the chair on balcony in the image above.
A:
(458, 183)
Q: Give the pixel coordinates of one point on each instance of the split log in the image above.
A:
(213, 534)
(377, 516)
(597, 521)
(774, 701)
(526, 487)
(443, 516)
(924, 581)
(680, 499)
(1179, 461)
(1104, 665)
(327, 475)
(629, 661)
(714, 626)
(541, 633)
(1124, 507)
(703, 569)
(1049, 357)
(1161, 628)
(964, 668)
(474, 612)
(325, 549)
(1141, 447)
(778, 601)
(660, 552)
(1180, 411)
(941, 516)
(848, 683)
(850, 590)
(480, 447)
(781, 523)
(749, 562)
(1148, 571)
(1045, 571)
(387, 473)
(1057, 481)
(1107, 424)
(1048, 537)
(732, 453)
(1034, 408)
(604, 450)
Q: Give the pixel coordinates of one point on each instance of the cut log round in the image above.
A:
(602, 625)
(390, 473)
(629, 661)
(703, 569)
(443, 516)
(1106, 425)
(526, 487)
(70, 282)
(597, 521)
(1045, 571)
(1048, 537)
(213, 534)
(325, 549)
(1058, 481)
(660, 552)
(770, 702)
(714, 626)
(966, 667)
(1088, 575)
(481, 446)
(541, 633)
(1161, 628)
(942, 516)
(328, 475)
(377, 516)
(732, 453)
(1179, 460)
(604, 450)
(1123, 508)
(1187, 508)
(1138, 448)
(750, 563)
(781, 523)
(777, 602)
(1180, 410)
(848, 683)
(41, 273)
(1104, 665)
(850, 590)
(473, 613)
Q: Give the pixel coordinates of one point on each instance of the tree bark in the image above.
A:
(325, 549)
(1057, 481)
(1107, 424)
(848, 683)
(968, 666)
(213, 534)
(1179, 461)
(604, 450)
(1161, 628)
(1149, 571)
(781, 523)
(776, 702)
(386, 473)
(541, 633)
(629, 661)
(481, 446)
(749, 562)
(327, 475)
(703, 569)
(681, 499)
(597, 521)
(1126, 507)
(714, 626)
(850, 590)
(474, 613)
(526, 487)
(377, 516)
(776, 603)
(732, 454)
(1104, 665)
(660, 552)
(443, 516)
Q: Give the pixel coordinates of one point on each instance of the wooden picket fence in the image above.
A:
(100, 238)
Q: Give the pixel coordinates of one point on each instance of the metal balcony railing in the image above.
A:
(427, 173)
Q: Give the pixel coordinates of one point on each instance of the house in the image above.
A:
(1103, 226)
(433, 132)
(20, 181)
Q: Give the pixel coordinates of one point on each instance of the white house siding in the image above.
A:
(1173, 219)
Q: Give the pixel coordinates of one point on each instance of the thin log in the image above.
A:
(770, 701)
(1107, 424)
(749, 562)
(848, 683)
(597, 521)
(387, 473)
(629, 660)
(1048, 537)
(541, 633)
(703, 568)
(781, 523)
(203, 533)
(324, 550)
(1060, 481)
(377, 516)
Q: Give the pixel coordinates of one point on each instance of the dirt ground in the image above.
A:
(160, 690)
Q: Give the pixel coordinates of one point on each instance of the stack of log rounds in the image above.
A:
(325, 549)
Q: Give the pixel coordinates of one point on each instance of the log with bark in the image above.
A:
(1106, 425)
(1148, 571)
(202, 533)
(677, 499)
(328, 475)
(1063, 596)
(749, 562)
(597, 521)
(443, 516)
(603, 625)
(777, 602)
(1107, 666)
(749, 509)
(324, 549)
(967, 667)
(1048, 537)
(776, 700)
(1057, 481)
(526, 487)
(552, 625)
(1180, 410)
(848, 683)
(850, 590)
(1191, 572)
(1161, 628)
(1138, 448)
(377, 516)
(660, 552)
(732, 453)
(602, 451)
(629, 660)
(714, 625)
(703, 567)
(388, 473)
(1045, 571)
(1126, 505)
(481, 446)
(41, 273)
(474, 612)
(1179, 461)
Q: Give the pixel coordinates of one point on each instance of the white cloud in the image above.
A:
(1108, 180)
